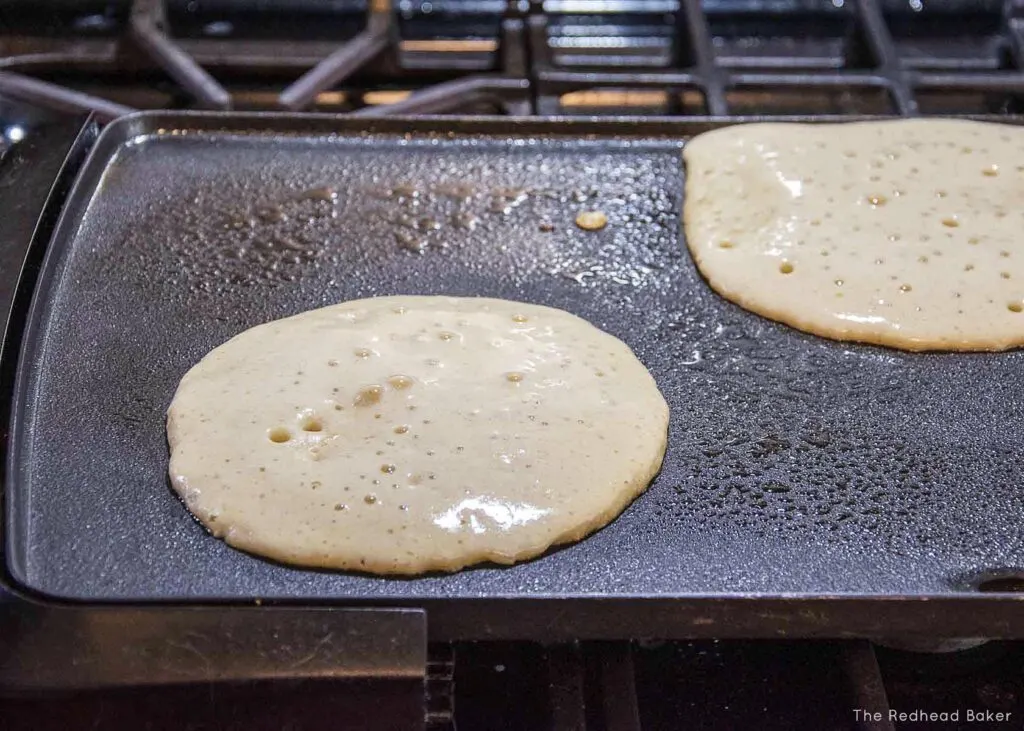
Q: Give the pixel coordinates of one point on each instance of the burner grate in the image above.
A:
(551, 57)
(829, 57)
(336, 57)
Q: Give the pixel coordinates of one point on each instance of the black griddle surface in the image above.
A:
(795, 464)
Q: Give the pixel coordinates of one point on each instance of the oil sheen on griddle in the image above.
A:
(257, 231)
(268, 242)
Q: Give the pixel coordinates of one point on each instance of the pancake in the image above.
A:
(402, 435)
(902, 233)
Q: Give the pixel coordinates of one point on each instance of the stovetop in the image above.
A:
(640, 686)
(60, 61)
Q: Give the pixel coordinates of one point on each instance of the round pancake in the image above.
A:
(900, 233)
(401, 435)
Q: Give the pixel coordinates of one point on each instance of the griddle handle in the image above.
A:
(35, 175)
(47, 648)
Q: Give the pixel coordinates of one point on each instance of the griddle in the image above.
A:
(810, 487)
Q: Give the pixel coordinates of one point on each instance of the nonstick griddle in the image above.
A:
(797, 467)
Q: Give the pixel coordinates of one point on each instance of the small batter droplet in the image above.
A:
(370, 499)
(591, 220)
(514, 377)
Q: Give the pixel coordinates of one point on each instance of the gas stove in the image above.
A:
(68, 68)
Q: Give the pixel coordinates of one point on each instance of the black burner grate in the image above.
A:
(727, 57)
(573, 57)
(468, 57)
